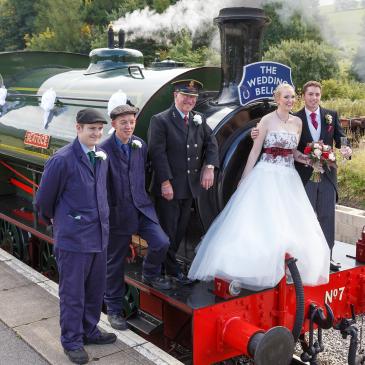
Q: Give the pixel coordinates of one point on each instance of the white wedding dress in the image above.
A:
(268, 215)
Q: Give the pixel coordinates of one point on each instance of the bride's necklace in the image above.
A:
(283, 120)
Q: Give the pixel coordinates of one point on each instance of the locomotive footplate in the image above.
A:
(193, 317)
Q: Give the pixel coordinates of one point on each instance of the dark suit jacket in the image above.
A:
(126, 186)
(330, 134)
(178, 152)
(75, 196)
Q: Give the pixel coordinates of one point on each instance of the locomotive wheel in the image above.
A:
(12, 239)
(130, 300)
(47, 261)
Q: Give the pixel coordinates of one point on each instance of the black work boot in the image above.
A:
(78, 356)
(117, 322)
(157, 282)
(102, 339)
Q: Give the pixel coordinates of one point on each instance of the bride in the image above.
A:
(268, 215)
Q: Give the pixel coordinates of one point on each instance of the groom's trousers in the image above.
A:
(322, 196)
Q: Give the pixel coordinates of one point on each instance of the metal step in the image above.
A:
(145, 323)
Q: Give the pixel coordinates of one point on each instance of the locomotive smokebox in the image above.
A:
(241, 31)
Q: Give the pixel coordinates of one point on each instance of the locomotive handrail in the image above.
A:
(19, 174)
(58, 97)
(130, 70)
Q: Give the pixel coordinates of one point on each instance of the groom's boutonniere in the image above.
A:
(197, 119)
(328, 119)
(136, 144)
(101, 155)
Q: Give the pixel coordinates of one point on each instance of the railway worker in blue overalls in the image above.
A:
(131, 212)
(73, 195)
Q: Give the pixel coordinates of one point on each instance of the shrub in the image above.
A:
(346, 89)
(309, 60)
(346, 108)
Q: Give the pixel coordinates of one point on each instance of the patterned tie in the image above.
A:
(314, 120)
(186, 119)
(92, 157)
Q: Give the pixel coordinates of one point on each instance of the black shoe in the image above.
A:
(102, 339)
(334, 266)
(78, 356)
(117, 322)
(181, 279)
(157, 282)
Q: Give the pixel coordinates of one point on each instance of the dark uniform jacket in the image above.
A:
(126, 186)
(330, 134)
(74, 195)
(178, 152)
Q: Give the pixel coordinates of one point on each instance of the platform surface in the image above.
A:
(30, 331)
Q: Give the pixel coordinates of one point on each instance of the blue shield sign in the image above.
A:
(260, 79)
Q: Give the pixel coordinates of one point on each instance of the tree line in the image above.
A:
(80, 25)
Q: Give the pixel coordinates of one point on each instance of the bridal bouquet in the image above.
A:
(321, 156)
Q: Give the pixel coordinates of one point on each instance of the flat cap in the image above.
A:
(123, 109)
(188, 87)
(90, 116)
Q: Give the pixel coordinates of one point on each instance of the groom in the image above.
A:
(320, 124)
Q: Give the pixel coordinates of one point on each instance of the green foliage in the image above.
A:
(127, 6)
(59, 30)
(84, 25)
(346, 89)
(351, 180)
(182, 50)
(346, 108)
(309, 60)
(16, 20)
(161, 5)
(97, 11)
(100, 39)
(149, 47)
(294, 28)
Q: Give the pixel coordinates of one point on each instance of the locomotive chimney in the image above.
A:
(240, 32)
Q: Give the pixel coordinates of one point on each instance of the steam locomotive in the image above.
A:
(207, 322)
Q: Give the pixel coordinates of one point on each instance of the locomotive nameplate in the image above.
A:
(36, 139)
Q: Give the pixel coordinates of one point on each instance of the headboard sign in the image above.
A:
(260, 79)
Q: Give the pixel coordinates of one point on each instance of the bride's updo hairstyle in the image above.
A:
(278, 90)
